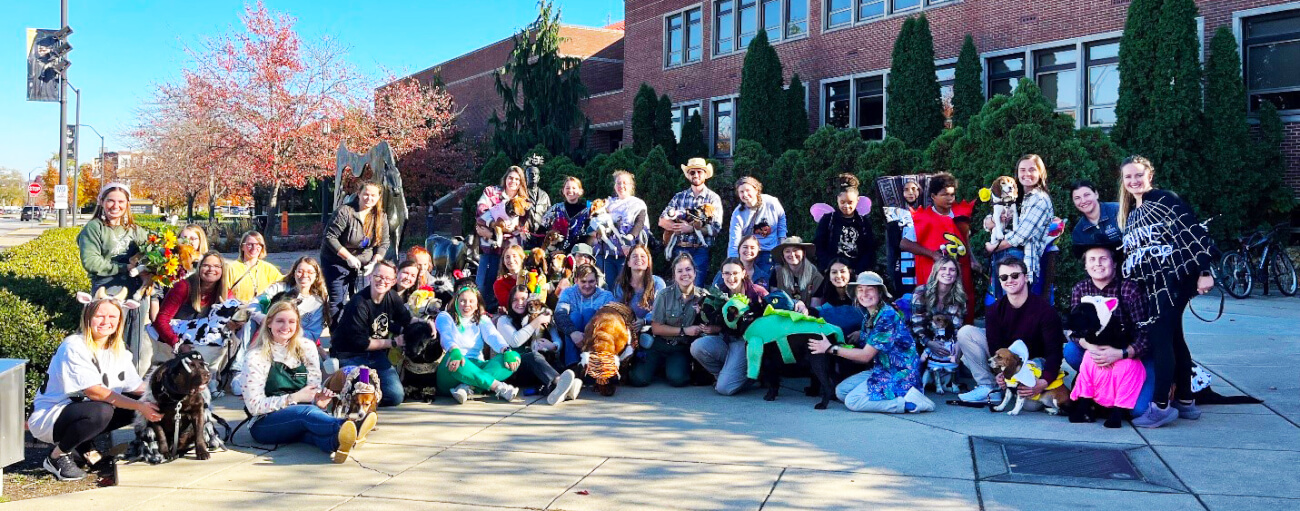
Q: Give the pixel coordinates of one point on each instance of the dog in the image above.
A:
(601, 224)
(608, 343)
(356, 392)
(942, 370)
(775, 339)
(700, 217)
(1016, 369)
(177, 388)
(504, 217)
(1003, 194)
(420, 361)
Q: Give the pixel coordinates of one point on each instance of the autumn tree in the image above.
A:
(87, 186)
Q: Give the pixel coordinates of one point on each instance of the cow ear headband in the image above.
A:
(118, 298)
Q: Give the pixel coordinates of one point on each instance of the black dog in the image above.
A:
(422, 350)
(178, 388)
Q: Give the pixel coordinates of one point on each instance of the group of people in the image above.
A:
(491, 325)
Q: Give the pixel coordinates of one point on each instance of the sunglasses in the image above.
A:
(1008, 276)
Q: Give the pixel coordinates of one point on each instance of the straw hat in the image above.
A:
(699, 163)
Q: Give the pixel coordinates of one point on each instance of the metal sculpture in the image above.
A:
(383, 166)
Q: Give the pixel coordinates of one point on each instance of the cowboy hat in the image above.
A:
(809, 250)
(699, 163)
(870, 278)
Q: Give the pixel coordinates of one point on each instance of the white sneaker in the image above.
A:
(507, 392)
(460, 393)
(918, 398)
(563, 386)
(978, 394)
(575, 388)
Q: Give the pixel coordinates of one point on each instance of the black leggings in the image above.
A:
(1173, 360)
(79, 423)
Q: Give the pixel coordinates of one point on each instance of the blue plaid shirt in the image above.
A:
(686, 199)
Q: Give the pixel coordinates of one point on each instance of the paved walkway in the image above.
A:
(662, 448)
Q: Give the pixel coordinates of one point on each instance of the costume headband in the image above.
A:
(110, 186)
(118, 298)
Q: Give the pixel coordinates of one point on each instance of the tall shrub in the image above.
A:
(643, 119)
(1176, 102)
(968, 85)
(751, 159)
(1138, 77)
(796, 114)
(914, 111)
(1227, 143)
(664, 136)
(693, 143)
(1277, 199)
(760, 91)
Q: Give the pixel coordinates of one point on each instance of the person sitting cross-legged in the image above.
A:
(465, 329)
(371, 325)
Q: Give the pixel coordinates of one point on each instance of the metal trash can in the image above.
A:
(12, 393)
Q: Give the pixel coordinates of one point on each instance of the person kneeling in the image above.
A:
(370, 326)
(464, 330)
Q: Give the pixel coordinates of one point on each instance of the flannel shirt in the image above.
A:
(1132, 308)
(1031, 227)
(686, 199)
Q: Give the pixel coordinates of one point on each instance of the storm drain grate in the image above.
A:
(1080, 464)
(1070, 461)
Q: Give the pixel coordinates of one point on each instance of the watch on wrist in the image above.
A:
(835, 350)
(1207, 273)
(681, 331)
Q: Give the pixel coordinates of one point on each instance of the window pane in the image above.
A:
(1057, 57)
(1101, 116)
(690, 110)
(694, 35)
(837, 104)
(677, 124)
(796, 18)
(772, 19)
(873, 133)
(1288, 100)
(1060, 88)
(871, 86)
(1268, 26)
(726, 28)
(722, 127)
(868, 9)
(1004, 86)
(1273, 66)
(1003, 65)
(901, 5)
(748, 23)
(1103, 85)
(871, 111)
(945, 96)
(945, 74)
(838, 12)
(1104, 51)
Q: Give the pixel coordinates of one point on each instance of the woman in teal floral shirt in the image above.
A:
(892, 384)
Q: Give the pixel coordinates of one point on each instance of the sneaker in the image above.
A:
(366, 426)
(916, 397)
(507, 392)
(563, 384)
(1156, 416)
(1187, 411)
(460, 393)
(978, 394)
(347, 440)
(575, 388)
(63, 468)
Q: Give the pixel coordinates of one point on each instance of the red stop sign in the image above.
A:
(34, 188)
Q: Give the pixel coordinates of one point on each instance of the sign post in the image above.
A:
(34, 189)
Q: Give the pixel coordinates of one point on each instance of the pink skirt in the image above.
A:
(1115, 386)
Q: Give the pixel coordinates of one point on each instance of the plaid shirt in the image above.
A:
(1132, 309)
(686, 199)
(1031, 229)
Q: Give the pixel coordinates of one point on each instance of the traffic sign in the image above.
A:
(60, 197)
(34, 189)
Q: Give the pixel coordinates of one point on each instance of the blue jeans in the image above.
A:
(1073, 355)
(763, 268)
(390, 384)
(610, 266)
(340, 282)
(488, 264)
(701, 257)
(298, 423)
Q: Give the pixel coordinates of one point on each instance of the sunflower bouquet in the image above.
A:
(165, 257)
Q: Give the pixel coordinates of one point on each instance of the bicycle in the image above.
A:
(1259, 257)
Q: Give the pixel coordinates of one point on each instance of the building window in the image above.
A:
(681, 114)
(724, 121)
(1057, 72)
(682, 37)
(947, 76)
(839, 13)
(868, 9)
(858, 103)
(1103, 82)
(1272, 50)
(904, 5)
(1005, 74)
(738, 21)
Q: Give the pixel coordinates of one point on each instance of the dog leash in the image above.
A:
(1222, 300)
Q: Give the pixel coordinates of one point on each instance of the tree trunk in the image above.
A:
(189, 207)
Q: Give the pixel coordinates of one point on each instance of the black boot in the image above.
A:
(1082, 411)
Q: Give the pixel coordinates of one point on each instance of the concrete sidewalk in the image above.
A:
(663, 448)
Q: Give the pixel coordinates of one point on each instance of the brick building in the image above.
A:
(693, 50)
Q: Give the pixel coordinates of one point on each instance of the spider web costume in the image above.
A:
(1166, 247)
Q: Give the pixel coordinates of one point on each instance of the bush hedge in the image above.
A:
(47, 272)
(25, 333)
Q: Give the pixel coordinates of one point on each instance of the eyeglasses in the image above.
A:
(377, 278)
(1008, 276)
(210, 267)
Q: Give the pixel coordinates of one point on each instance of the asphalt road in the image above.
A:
(16, 232)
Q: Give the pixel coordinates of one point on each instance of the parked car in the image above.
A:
(32, 213)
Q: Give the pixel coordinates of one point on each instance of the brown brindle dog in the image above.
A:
(606, 344)
(177, 387)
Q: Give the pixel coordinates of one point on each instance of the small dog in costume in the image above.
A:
(775, 339)
(942, 370)
(1018, 369)
(177, 388)
(609, 342)
(420, 362)
(1115, 387)
(356, 392)
(504, 217)
(700, 217)
(1003, 194)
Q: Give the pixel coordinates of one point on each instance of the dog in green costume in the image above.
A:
(779, 328)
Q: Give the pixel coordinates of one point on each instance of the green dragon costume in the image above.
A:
(775, 326)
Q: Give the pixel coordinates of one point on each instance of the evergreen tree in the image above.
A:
(664, 136)
(493, 169)
(968, 85)
(643, 119)
(1278, 199)
(796, 114)
(1137, 71)
(1227, 139)
(750, 159)
(760, 90)
(914, 113)
(541, 102)
(692, 144)
(1177, 102)
(656, 181)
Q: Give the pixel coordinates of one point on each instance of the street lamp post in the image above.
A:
(101, 150)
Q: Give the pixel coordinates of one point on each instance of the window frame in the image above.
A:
(734, 99)
(1081, 44)
(1240, 20)
(888, 11)
(684, 14)
(1078, 66)
(1086, 106)
(950, 63)
(760, 8)
(683, 109)
(824, 107)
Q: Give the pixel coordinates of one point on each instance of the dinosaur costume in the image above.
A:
(775, 326)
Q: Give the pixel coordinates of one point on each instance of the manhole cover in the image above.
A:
(1070, 461)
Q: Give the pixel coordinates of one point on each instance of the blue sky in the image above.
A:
(123, 48)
